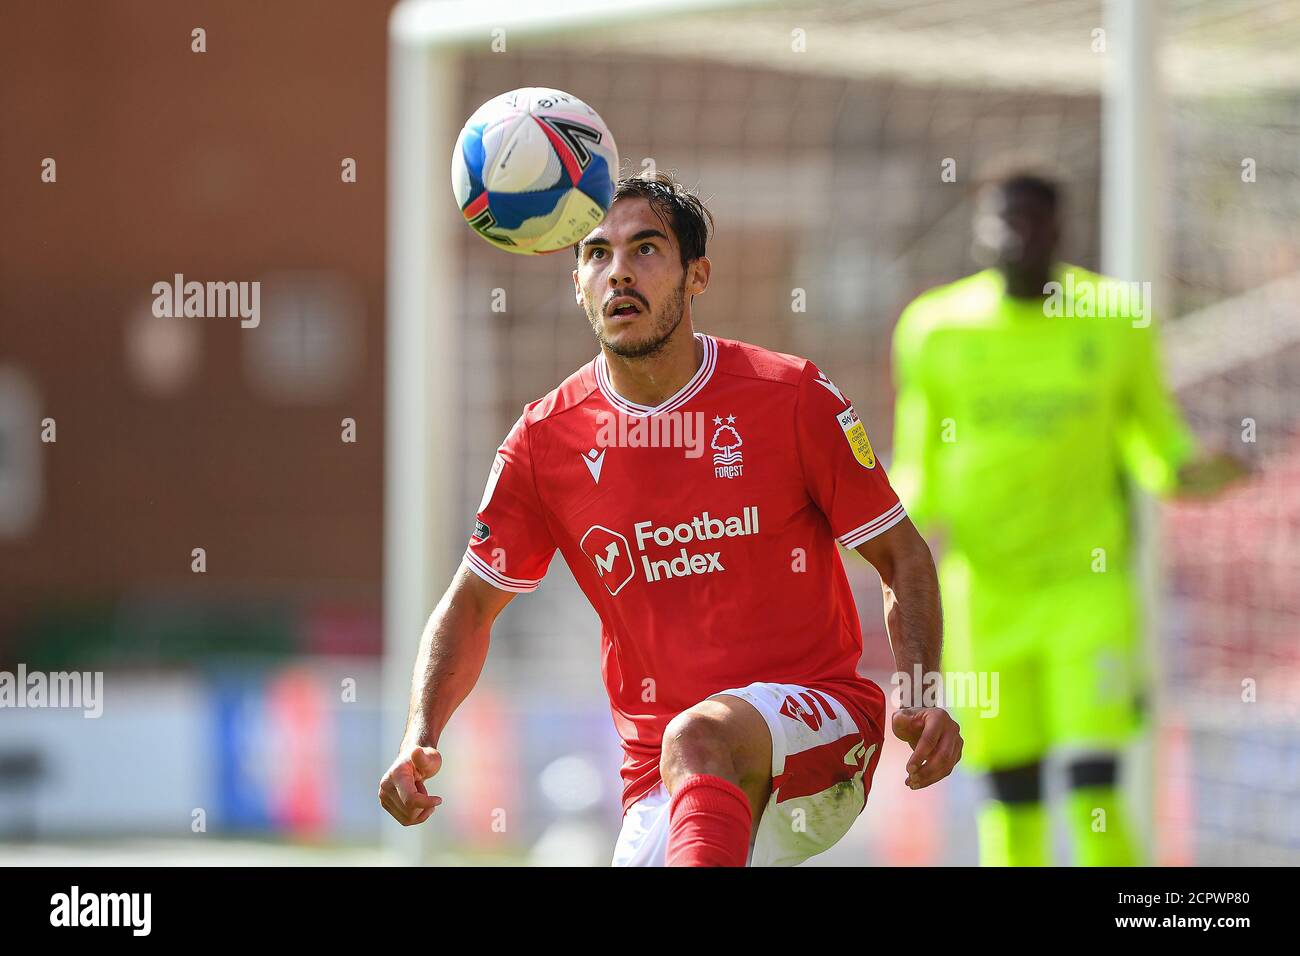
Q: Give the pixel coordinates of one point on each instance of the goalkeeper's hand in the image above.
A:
(1208, 474)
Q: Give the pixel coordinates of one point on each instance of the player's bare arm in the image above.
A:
(451, 655)
(914, 622)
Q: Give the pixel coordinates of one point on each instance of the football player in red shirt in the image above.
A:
(696, 488)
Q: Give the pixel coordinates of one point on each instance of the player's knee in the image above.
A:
(1100, 770)
(695, 742)
(1022, 784)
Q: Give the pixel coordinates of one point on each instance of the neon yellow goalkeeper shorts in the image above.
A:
(1058, 664)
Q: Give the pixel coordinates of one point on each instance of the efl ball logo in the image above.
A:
(534, 170)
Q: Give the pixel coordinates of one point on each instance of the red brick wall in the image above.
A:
(220, 165)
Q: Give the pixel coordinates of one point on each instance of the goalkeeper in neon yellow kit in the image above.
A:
(1029, 394)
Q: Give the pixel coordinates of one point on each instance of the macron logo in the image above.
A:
(593, 460)
(830, 386)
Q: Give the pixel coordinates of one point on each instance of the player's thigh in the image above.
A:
(821, 769)
(1090, 666)
(999, 705)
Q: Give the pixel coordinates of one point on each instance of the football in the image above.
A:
(533, 170)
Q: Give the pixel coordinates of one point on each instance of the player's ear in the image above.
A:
(577, 289)
(698, 279)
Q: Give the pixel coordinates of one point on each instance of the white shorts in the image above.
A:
(821, 772)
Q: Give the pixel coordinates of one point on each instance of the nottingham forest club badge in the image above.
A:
(728, 459)
(856, 434)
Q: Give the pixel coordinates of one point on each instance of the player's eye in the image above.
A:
(646, 245)
(595, 252)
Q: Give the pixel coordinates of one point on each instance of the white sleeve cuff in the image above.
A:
(495, 578)
(865, 532)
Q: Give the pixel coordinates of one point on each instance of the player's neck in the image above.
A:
(1027, 284)
(653, 379)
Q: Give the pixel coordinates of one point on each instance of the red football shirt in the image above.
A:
(702, 531)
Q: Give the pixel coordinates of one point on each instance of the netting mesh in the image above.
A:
(823, 169)
(1232, 610)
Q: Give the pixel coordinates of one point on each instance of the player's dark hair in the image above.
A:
(1033, 184)
(673, 203)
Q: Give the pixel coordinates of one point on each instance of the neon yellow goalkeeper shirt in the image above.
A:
(1018, 420)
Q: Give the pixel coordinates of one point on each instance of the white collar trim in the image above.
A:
(682, 396)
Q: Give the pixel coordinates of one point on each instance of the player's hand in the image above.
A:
(401, 791)
(1210, 473)
(935, 740)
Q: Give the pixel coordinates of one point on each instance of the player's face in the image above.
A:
(630, 280)
(1019, 230)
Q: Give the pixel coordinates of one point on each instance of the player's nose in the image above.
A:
(621, 275)
(622, 269)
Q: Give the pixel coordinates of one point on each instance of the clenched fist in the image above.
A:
(401, 791)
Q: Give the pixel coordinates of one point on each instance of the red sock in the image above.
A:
(708, 823)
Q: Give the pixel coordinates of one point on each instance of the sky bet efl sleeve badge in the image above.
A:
(856, 434)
